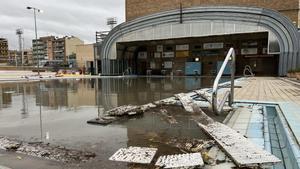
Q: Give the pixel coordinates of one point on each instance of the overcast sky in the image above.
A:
(81, 18)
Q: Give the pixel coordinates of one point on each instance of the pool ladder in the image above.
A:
(217, 106)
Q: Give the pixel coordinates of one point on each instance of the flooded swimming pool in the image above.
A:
(66, 105)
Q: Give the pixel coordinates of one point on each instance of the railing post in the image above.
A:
(233, 64)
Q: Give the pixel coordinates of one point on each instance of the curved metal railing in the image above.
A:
(217, 106)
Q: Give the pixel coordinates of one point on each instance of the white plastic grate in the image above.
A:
(180, 160)
(142, 155)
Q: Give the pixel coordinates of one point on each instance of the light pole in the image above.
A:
(35, 28)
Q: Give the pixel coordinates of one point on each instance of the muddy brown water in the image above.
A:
(66, 105)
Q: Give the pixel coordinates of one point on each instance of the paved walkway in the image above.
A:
(270, 89)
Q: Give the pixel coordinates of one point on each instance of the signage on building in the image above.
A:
(157, 55)
(213, 45)
(159, 48)
(168, 55)
(182, 54)
(249, 51)
(182, 47)
(168, 65)
(142, 55)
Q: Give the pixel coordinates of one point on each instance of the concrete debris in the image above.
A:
(180, 160)
(141, 155)
(101, 121)
(214, 156)
(213, 152)
(205, 95)
(227, 165)
(186, 102)
(192, 146)
(129, 110)
(221, 157)
(207, 159)
(147, 106)
(168, 102)
(114, 114)
(168, 117)
(122, 110)
(56, 153)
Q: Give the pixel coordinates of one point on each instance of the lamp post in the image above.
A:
(35, 28)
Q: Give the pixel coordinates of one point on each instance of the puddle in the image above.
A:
(68, 104)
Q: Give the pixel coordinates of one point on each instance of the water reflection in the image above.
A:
(56, 111)
(103, 93)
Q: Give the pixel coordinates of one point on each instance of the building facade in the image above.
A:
(28, 57)
(136, 8)
(192, 37)
(3, 50)
(85, 57)
(70, 47)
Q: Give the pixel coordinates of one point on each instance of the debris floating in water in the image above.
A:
(141, 155)
(126, 110)
(100, 121)
(169, 118)
(130, 110)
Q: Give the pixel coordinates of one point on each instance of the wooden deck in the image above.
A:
(271, 89)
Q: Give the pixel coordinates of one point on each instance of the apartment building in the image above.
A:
(42, 49)
(55, 48)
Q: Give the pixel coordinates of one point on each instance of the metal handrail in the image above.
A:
(215, 106)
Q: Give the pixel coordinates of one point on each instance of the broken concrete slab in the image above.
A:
(168, 101)
(243, 152)
(186, 102)
(129, 110)
(141, 155)
(205, 95)
(180, 160)
(122, 110)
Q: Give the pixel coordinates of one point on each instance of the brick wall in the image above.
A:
(138, 8)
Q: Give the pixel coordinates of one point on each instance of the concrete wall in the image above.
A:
(84, 53)
(138, 8)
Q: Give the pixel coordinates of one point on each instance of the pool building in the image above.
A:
(192, 37)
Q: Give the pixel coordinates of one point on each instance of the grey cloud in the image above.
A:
(80, 18)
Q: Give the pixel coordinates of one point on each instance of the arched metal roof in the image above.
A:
(285, 31)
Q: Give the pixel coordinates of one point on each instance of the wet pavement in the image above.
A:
(66, 105)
